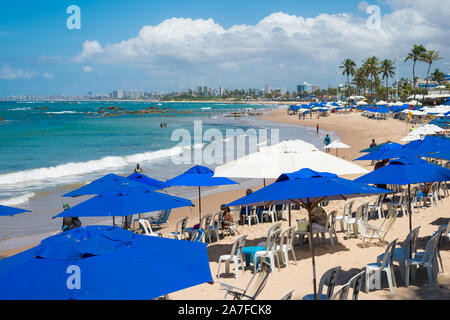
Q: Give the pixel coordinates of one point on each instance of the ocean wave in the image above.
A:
(18, 200)
(82, 168)
(63, 112)
(20, 109)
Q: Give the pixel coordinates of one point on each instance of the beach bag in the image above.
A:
(302, 225)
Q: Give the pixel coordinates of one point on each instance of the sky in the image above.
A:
(174, 45)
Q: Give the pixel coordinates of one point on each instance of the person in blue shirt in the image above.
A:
(327, 141)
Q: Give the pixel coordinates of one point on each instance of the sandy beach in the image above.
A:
(357, 132)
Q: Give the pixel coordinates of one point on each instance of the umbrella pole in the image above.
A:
(410, 218)
(199, 205)
(114, 222)
(264, 182)
(289, 210)
(311, 239)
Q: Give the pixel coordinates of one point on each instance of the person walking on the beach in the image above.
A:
(327, 141)
(317, 128)
(138, 169)
(373, 144)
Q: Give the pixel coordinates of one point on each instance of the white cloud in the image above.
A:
(88, 69)
(8, 73)
(47, 75)
(201, 48)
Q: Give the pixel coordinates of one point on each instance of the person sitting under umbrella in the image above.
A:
(70, 223)
(319, 219)
(138, 169)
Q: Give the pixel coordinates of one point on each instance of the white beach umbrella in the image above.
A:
(381, 103)
(361, 103)
(337, 145)
(287, 157)
(411, 137)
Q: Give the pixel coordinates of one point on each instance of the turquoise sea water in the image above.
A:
(46, 147)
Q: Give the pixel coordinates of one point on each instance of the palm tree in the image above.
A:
(349, 69)
(416, 54)
(360, 79)
(438, 76)
(387, 71)
(371, 68)
(430, 57)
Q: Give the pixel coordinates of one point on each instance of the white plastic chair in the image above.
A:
(269, 213)
(401, 204)
(216, 225)
(329, 280)
(287, 245)
(288, 295)
(424, 259)
(148, 229)
(341, 293)
(372, 232)
(356, 284)
(254, 287)
(430, 196)
(253, 215)
(330, 228)
(402, 254)
(205, 223)
(353, 222)
(274, 227)
(377, 206)
(270, 252)
(235, 256)
(373, 270)
(179, 229)
(347, 211)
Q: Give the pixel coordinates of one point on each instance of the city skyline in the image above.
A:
(171, 46)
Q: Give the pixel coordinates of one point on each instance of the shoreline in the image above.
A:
(273, 116)
(347, 253)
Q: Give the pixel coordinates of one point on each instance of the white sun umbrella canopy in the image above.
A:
(361, 103)
(337, 145)
(288, 156)
(382, 103)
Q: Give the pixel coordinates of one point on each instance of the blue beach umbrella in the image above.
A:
(10, 211)
(105, 184)
(444, 155)
(103, 263)
(407, 171)
(307, 188)
(387, 152)
(387, 144)
(124, 201)
(198, 176)
(428, 145)
(139, 177)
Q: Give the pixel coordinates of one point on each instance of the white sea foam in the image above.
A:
(18, 200)
(63, 112)
(83, 168)
(20, 109)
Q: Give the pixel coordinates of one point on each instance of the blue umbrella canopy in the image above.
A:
(406, 171)
(105, 184)
(139, 177)
(308, 185)
(199, 176)
(124, 201)
(428, 145)
(445, 155)
(387, 144)
(103, 263)
(10, 211)
(307, 188)
(389, 152)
